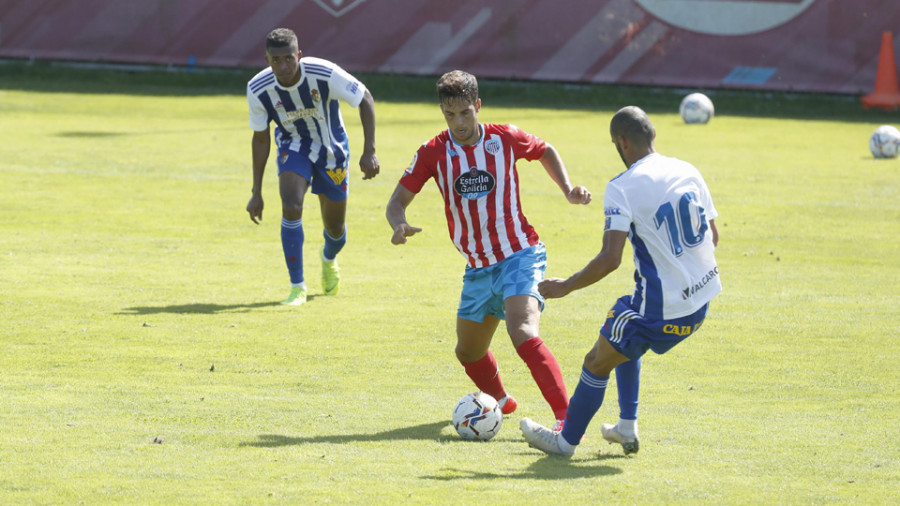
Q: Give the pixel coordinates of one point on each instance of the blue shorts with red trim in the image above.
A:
(632, 335)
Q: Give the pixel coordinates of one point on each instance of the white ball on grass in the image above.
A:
(885, 142)
(477, 416)
(696, 108)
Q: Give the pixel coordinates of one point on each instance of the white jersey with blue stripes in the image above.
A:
(665, 206)
(307, 115)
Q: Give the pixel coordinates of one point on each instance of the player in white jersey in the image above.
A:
(664, 207)
(302, 96)
(474, 166)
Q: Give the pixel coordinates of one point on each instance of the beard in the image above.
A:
(621, 155)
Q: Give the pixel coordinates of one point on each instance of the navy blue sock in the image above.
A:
(333, 246)
(628, 383)
(292, 244)
(585, 402)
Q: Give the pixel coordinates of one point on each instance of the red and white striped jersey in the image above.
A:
(480, 187)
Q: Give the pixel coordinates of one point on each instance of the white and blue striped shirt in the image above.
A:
(307, 115)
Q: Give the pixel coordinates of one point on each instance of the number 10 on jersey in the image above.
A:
(687, 227)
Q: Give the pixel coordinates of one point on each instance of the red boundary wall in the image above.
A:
(802, 45)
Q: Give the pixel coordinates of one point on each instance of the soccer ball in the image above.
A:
(885, 142)
(477, 416)
(696, 108)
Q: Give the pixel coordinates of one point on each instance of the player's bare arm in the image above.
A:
(555, 167)
(715, 232)
(368, 162)
(396, 215)
(260, 145)
(608, 260)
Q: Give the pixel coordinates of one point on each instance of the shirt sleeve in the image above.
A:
(346, 87)
(526, 145)
(259, 117)
(616, 209)
(420, 170)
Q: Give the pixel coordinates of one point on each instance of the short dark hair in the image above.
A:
(281, 37)
(457, 85)
(632, 123)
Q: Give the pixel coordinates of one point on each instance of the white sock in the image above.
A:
(627, 428)
(564, 445)
(301, 284)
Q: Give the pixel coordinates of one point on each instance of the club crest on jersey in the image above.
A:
(492, 146)
(279, 105)
(284, 157)
(315, 96)
(474, 184)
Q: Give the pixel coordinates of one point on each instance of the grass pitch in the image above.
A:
(145, 358)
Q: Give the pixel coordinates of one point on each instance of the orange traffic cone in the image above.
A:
(886, 94)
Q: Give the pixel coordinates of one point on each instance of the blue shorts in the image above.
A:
(486, 288)
(328, 181)
(632, 335)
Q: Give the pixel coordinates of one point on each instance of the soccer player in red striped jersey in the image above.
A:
(474, 166)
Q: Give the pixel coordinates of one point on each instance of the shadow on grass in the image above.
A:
(549, 467)
(428, 431)
(197, 308)
(97, 134)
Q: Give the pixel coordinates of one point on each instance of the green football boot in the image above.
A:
(296, 298)
(331, 275)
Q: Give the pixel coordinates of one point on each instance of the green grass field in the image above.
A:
(144, 357)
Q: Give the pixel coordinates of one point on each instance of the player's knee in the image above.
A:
(335, 231)
(521, 328)
(520, 334)
(467, 356)
(597, 363)
(589, 359)
(292, 210)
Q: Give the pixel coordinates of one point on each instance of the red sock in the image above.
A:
(546, 373)
(486, 375)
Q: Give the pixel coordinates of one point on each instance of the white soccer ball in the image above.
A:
(885, 142)
(477, 416)
(696, 108)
